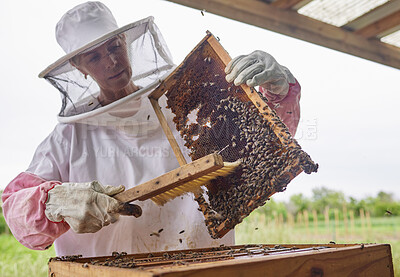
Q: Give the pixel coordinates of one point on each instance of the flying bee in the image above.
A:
(388, 212)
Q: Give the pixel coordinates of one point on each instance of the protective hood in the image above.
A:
(150, 61)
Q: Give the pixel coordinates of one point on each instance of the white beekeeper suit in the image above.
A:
(118, 144)
(64, 196)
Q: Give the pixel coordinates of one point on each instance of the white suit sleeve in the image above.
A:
(51, 159)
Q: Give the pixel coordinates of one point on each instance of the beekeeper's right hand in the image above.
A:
(86, 207)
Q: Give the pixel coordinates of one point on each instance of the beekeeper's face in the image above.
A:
(107, 64)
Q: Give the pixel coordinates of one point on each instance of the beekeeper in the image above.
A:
(109, 138)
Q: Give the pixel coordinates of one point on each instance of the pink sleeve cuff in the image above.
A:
(23, 208)
(286, 106)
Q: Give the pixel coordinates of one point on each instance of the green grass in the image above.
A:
(258, 229)
(17, 260)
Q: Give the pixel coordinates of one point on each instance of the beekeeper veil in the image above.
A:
(82, 30)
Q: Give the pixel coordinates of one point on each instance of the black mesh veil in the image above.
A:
(150, 61)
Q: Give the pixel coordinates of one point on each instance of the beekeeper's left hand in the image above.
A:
(259, 69)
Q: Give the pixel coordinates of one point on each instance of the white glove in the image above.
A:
(86, 207)
(259, 69)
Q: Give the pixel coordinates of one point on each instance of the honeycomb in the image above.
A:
(214, 116)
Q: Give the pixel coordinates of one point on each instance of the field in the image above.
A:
(16, 260)
(272, 230)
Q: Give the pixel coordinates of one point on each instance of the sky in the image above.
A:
(349, 106)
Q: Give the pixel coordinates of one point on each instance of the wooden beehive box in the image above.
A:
(241, 260)
(214, 116)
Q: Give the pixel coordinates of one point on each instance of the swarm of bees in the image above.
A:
(230, 122)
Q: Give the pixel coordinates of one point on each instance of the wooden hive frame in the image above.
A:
(210, 49)
(241, 260)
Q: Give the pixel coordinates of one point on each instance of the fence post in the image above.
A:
(290, 220)
(362, 217)
(315, 219)
(262, 219)
(300, 219)
(345, 220)
(326, 214)
(275, 215)
(269, 220)
(336, 211)
(368, 220)
(305, 213)
(280, 219)
(352, 227)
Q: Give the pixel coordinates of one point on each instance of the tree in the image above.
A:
(324, 197)
(385, 197)
(384, 204)
(273, 205)
(299, 202)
